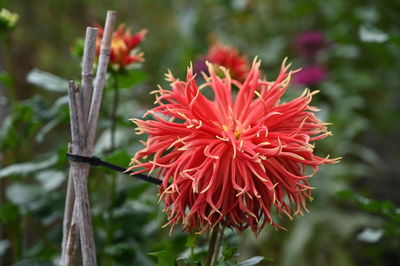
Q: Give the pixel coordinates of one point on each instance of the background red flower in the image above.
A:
(228, 57)
(122, 46)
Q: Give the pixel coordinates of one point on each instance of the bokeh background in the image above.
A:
(355, 216)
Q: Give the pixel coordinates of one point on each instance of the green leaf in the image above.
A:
(6, 79)
(23, 169)
(18, 126)
(9, 213)
(192, 240)
(120, 157)
(385, 208)
(252, 261)
(58, 113)
(226, 263)
(46, 129)
(369, 33)
(47, 81)
(104, 140)
(345, 194)
(51, 179)
(187, 262)
(367, 14)
(119, 249)
(228, 251)
(370, 235)
(61, 102)
(23, 195)
(369, 205)
(137, 189)
(77, 47)
(131, 78)
(395, 39)
(4, 245)
(164, 258)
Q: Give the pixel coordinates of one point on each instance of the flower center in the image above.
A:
(119, 46)
(236, 133)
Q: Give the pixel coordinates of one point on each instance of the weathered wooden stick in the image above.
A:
(100, 78)
(85, 96)
(72, 245)
(77, 147)
(89, 137)
(79, 172)
(82, 213)
(89, 54)
(83, 130)
(69, 207)
(73, 112)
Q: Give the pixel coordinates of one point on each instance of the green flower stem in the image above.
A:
(113, 188)
(212, 247)
(18, 241)
(114, 110)
(218, 242)
(192, 253)
(113, 185)
(6, 65)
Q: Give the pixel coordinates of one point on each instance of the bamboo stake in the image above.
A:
(89, 54)
(79, 172)
(84, 115)
(100, 78)
(69, 207)
(72, 245)
(85, 95)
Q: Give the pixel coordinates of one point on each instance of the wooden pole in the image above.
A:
(104, 57)
(69, 207)
(89, 54)
(79, 172)
(84, 112)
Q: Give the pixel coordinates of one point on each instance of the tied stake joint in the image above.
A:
(95, 161)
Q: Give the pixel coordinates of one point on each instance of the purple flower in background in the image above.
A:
(310, 75)
(310, 43)
(200, 66)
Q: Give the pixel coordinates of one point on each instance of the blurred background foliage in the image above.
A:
(355, 217)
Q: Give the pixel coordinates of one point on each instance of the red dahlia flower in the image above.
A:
(122, 46)
(229, 57)
(232, 160)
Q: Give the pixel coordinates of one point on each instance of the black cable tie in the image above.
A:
(95, 161)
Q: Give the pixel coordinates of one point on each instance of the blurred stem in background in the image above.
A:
(6, 89)
(113, 176)
(4, 108)
(8, 20)
(7, 99)
(115, 87)
(4, 111)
